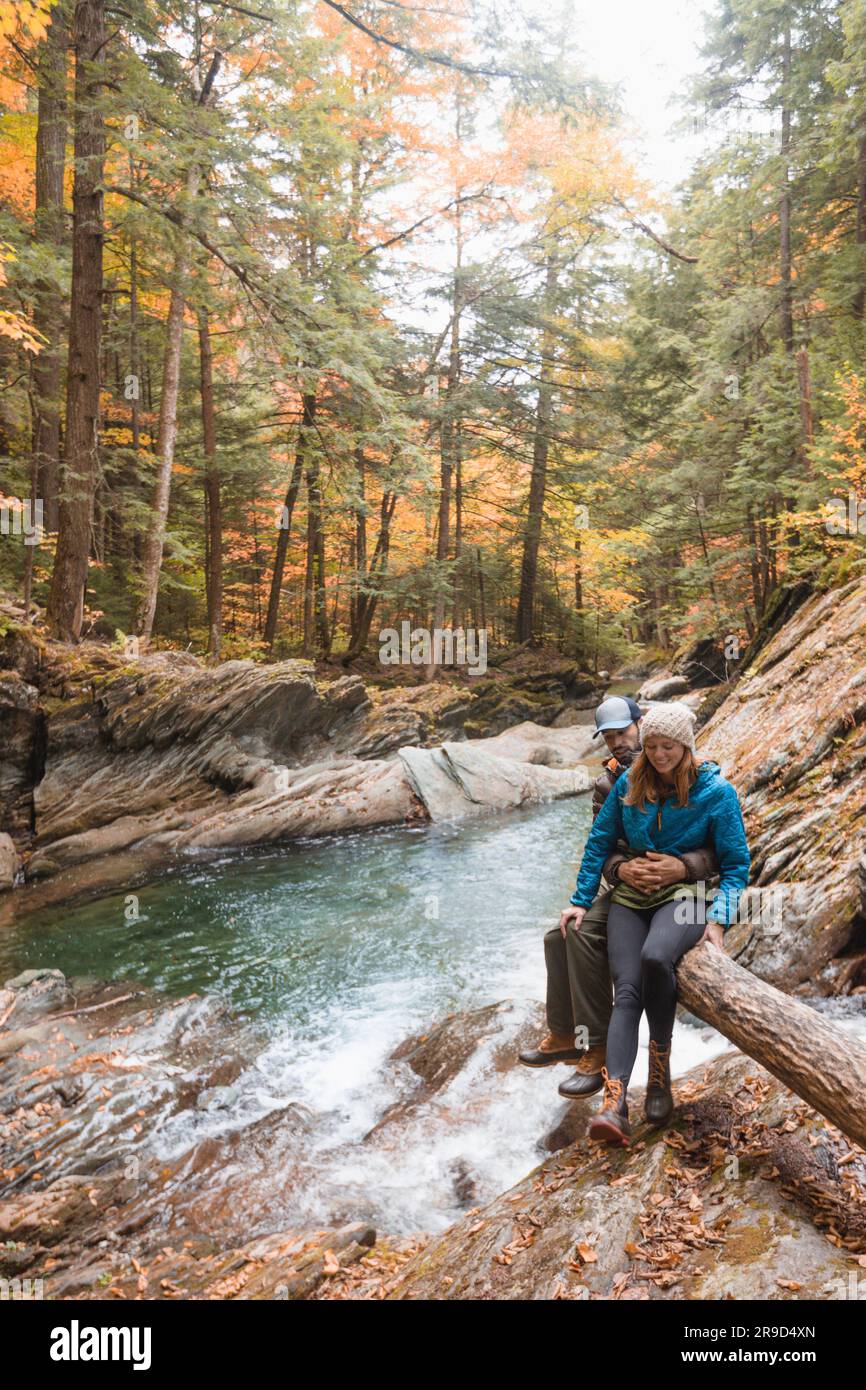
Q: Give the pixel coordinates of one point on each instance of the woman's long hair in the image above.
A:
(645, 784)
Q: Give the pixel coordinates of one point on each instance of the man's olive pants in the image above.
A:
(579, 989)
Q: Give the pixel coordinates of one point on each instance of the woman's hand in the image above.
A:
(714, 933)
(571, 914)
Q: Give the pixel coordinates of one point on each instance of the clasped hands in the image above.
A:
(647, 873)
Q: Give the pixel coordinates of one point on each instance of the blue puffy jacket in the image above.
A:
(712, 814)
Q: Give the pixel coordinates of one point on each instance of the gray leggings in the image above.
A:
(642, 950)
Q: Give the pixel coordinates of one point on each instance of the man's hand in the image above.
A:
(653, 870)
(634, 873)
(571, 914)
(715, 934)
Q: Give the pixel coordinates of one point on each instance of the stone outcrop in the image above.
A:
(791, 735)
(735, 1200)
(748, 1194)
(116, 767)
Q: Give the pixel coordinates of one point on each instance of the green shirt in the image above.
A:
(632, 897)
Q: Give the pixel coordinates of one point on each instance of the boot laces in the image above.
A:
(658, 1062)
(612, 1091)
(588, 1063)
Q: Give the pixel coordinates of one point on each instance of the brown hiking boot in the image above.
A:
(556, 1047)
(659, 1102)
(586, 1079)
(611, 1123)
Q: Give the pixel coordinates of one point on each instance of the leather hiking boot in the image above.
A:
(611, 1123)
(586, 1079)
(556, 1047)
(659, 1103)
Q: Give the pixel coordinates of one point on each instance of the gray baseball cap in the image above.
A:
(616, 713)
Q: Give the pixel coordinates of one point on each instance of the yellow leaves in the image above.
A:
(29, 17)
(13, 325)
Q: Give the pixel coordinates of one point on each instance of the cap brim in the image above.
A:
(617, 724)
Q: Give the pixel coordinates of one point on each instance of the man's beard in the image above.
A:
(627, 756)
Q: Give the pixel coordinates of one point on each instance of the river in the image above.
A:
(330, 953)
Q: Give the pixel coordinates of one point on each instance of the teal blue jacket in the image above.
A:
(711, 815)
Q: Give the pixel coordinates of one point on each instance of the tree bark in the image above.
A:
(213, 495)
(49, 230)
(167, 434)
(316, 635)
(80, 460)
(368, 599)
(820, 1063)
(538, 481)
(449, 434)
(308, 416)
(786, 312)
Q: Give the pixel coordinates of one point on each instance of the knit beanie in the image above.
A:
(670, 719)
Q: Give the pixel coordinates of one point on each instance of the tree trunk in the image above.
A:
(786, 303)
(367, 599)
(860, 227)
(167, 435)
(78, 480)
(538, 481)
(49, 230)
(316, 635)
(308, 417)
(213, 496)
(359, 546)
(819, 1062)
(449, 434)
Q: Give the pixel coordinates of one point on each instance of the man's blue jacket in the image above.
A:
(712, 814)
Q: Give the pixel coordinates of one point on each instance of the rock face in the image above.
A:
(792, 737)
(10, 863)
(663, 687)
(465, 779)
(748, 1194)
(21, 737)
(702, 663)
(736, 1199)
(117, 767)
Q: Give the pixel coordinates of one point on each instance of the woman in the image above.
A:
(670, 802)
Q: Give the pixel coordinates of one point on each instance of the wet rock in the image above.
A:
(663, 687)
(464, 1181)
(217, 1098)
(437, 1057)
(729, 1201)
(32, 994)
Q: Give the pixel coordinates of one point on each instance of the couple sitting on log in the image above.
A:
(665, 822)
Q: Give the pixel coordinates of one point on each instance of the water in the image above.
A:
(335, 951)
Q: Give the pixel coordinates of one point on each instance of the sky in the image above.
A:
(649, 48)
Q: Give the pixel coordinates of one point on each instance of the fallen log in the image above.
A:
(821, 1063)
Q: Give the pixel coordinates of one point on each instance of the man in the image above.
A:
(578, 979)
